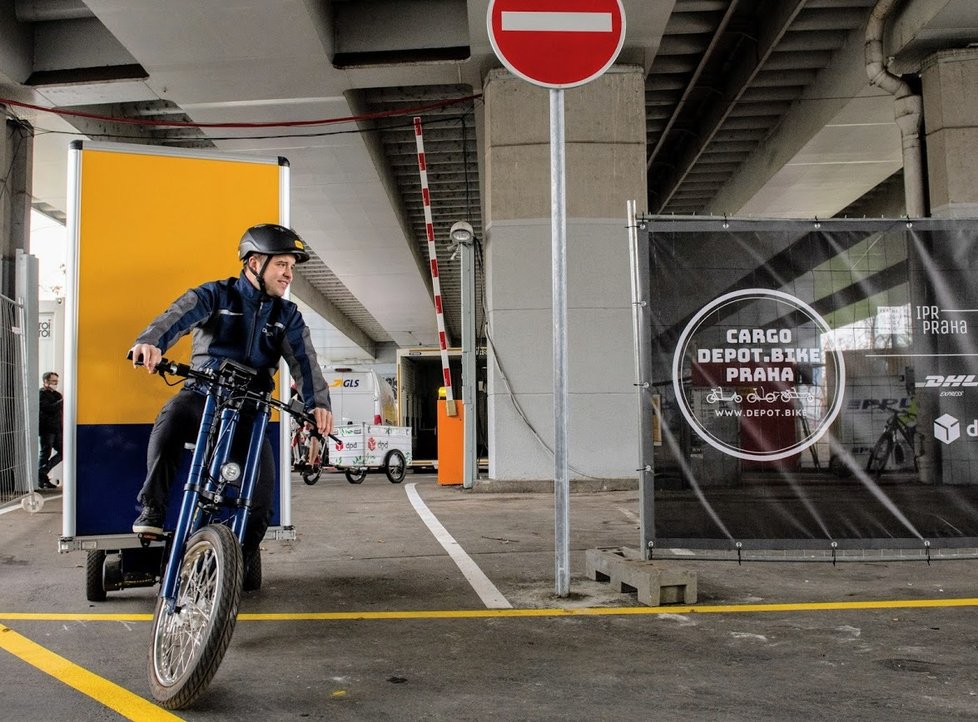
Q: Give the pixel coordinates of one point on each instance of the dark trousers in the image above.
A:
(177, 424)
(50, 441)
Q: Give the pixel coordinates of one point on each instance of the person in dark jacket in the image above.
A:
(245, 319)
(49, 428)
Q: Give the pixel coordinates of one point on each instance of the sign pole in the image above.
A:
(558, 44)
(558, 236)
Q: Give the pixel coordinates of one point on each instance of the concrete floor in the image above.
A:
(907, 654)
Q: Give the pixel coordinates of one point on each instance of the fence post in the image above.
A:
(27, 299)
(641, 331)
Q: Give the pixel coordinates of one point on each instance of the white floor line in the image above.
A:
(486, 590)
(630, 515)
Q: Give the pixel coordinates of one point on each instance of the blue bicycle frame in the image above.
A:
(204, 494)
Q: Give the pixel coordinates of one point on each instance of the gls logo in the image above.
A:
(947, 429)
(346, 383)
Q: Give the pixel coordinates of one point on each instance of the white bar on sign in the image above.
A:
(556, 22)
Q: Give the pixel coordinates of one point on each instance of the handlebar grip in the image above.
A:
(165, 366)
(173, 368)
(315, 433)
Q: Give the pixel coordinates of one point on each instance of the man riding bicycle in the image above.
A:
(247, 320)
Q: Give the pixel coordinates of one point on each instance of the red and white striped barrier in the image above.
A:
(433, 257)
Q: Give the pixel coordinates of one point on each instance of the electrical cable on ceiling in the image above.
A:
(265, 124)
(435, 123)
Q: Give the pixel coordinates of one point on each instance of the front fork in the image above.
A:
(190, 508)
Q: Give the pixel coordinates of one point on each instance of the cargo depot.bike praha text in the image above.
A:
(777, 359)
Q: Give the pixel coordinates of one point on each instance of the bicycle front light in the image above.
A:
(230, 472)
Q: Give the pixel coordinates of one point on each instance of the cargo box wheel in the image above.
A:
(356, 475)
(94, 585)
(395, 466)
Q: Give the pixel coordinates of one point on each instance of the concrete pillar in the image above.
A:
(605, 159)
(949, 79)
(16, 162)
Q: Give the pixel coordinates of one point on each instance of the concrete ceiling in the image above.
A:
(753, 107)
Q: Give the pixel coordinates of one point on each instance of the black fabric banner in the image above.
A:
(815, 383)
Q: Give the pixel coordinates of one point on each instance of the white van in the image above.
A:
(360, 397)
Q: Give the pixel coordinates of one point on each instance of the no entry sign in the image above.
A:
(556, 43)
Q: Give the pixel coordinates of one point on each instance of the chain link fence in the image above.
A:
(15, 449)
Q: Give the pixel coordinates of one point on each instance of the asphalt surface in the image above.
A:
(367, 617)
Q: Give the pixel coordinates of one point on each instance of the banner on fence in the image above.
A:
(817, 383)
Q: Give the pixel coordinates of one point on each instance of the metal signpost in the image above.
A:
(558, 44)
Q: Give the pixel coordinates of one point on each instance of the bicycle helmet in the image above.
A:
(272, 240)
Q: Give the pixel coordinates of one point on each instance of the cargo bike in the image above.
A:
(356, 449)
(204, 570)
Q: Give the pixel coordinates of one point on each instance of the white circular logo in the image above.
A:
(755, 357)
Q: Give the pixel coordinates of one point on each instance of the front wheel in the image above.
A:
(190, 639)
(356, 475)
(311, 476)
(880, 455)
(395, 466)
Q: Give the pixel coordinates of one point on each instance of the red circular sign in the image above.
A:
(556, 43)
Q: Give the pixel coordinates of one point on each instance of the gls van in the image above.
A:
(360, 397)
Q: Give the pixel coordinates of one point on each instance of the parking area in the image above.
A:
(366, 616)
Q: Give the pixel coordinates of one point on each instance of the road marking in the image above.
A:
(119, 699)
(555, 22)
(630, 515)
(868, 605)
(486, 590)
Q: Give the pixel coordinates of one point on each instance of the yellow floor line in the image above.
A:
(119, 699)
(546, 612)
(134, 707)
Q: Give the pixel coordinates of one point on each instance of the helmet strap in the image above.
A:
(260, 275)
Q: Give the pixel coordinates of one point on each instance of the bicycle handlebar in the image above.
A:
(174, 368)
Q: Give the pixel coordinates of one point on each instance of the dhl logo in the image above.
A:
(933, 382)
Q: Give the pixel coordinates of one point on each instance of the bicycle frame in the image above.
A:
(210, 487)
(894, 429)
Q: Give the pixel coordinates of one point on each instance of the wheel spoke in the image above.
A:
(183, 631)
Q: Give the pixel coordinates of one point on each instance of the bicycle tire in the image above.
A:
(356, 475)
(311, 476)
(880, 455)
(395, 466)
(94, 580)
(188, 644)
(252, 573)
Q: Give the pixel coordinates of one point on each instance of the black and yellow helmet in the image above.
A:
(272, 240)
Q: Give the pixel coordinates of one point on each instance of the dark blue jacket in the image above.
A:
(232, 319)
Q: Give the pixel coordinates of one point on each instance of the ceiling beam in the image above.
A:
(769, 34)
(319, 303)
(693, 80)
